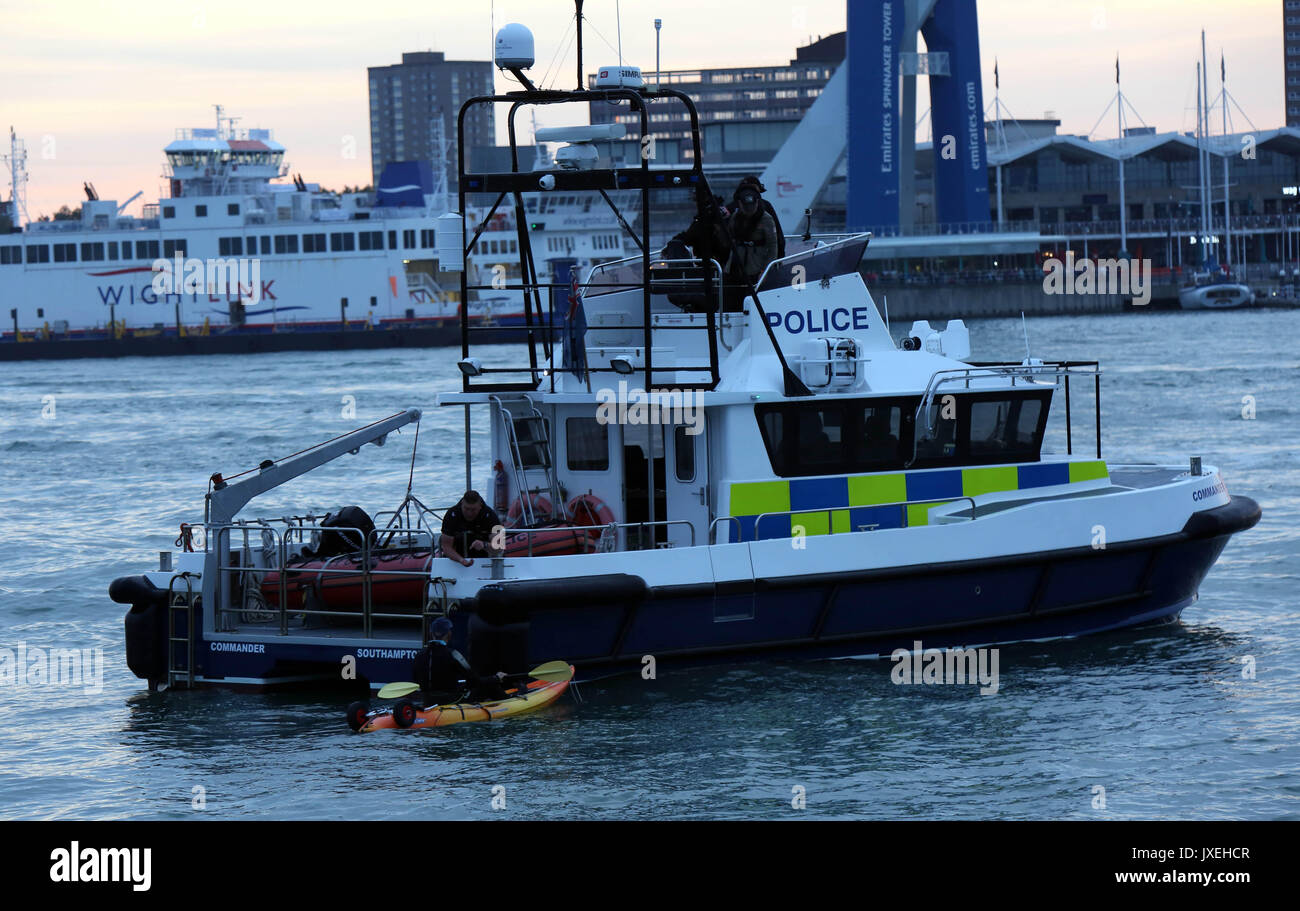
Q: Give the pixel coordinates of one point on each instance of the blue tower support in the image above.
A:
(961, 182)
(875, 30)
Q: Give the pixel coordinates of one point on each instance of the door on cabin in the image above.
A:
(687, 483)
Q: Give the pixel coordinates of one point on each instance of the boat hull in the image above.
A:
(1224, 296)
(604, 624)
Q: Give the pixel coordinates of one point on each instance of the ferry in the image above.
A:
(281, 256)
(692, 468)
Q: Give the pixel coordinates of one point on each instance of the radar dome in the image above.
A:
(514, 47)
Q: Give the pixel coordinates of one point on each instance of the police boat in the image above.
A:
(741, 469)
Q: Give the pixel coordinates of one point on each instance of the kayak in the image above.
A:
(536, 694)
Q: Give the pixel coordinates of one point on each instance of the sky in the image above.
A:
(97, 88)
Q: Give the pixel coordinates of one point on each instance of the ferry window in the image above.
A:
(342, 241)
(408, 240)
(65, 253)
(232, 209)
(291, 243)
(172, 247)
(112, 249)
(169, 211)
(10, 255)
(684, 448)
(392, 240)
(587, 444)
(91, 252)
(201, 211)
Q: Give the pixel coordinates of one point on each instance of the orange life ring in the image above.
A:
(589, 510)
(542, 509)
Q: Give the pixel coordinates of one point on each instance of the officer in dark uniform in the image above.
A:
(467, 528)
(439, 670)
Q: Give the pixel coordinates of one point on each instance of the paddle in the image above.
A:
(551, 672)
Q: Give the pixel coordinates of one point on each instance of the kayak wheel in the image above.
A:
(404, 713)
(357, 712)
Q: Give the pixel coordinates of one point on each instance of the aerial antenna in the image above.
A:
(1025, 328)
(578, 23)
(618, 24)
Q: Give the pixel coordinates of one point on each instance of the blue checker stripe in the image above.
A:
(933, 485)
(817, 493)
(1043, 475)
(882, 516)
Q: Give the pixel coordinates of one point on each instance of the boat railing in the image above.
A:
(1033, 373)
(244, 574)
(830, 512)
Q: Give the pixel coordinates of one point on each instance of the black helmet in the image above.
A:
(440, 628)
(751, 180)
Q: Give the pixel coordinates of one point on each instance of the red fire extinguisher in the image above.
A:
(501, 491)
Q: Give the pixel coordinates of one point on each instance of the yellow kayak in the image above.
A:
(532, 696)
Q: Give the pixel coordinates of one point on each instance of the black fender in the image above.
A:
(146, 626)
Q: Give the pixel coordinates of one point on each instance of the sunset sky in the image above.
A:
(97, 88)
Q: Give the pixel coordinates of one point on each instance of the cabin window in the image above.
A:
(342, 241)
(684, 447)
(266, 244)
(937, 435)
(169, 211)
(880, 442)
(65, 253)
(172, 247)
(586, 444)
(91, 252)
(232, 209)
(11, 256)
(201, 211)
(112, 249)
(1007, 429)
(392, 240)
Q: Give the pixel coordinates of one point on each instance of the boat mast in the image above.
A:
(1200, 163)
(1205, 94)
(17, 160)
(1000, 136)
(1227, 225)
(1119, 125)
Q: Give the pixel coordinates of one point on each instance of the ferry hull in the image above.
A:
(604, 628)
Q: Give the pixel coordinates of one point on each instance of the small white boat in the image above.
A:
(1215, 295)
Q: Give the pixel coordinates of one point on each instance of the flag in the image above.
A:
(575, 326)
(1117, 69)
(1223, 68)
(996, 84)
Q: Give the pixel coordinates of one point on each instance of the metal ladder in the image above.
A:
(537, 440)
(180, 601)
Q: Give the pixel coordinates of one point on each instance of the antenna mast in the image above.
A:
(578, 23)
(17, 161)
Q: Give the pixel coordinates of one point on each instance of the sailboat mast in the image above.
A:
(1227, 224)
(1119, 126)
(1205, 94)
